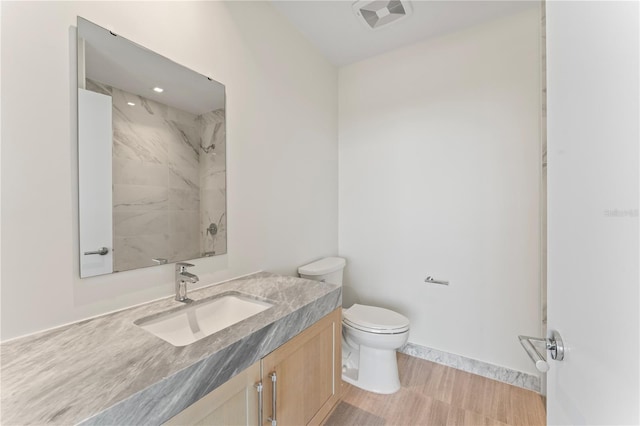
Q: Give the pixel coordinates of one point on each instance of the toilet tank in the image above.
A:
(327, 270)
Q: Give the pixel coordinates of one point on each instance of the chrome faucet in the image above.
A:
(182, 278)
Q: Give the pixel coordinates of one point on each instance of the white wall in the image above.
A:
(281, 135)
(439, 164)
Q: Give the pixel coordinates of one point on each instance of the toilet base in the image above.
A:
(377, 371)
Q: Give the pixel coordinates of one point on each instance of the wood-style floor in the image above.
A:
(433, 394)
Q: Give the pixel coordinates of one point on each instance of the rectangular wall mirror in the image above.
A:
(152, 157)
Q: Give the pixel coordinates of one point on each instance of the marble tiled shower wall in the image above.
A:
(168, 181)
(543, 183)
(213, 187)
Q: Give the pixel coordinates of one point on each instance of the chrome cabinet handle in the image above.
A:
(258, 387)
(101, 252)
(553, 344)
(274, 392)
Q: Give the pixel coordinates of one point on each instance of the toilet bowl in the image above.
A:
(370, 335)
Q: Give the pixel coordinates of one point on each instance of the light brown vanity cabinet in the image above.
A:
(307, 384)
(234, 403)
(308, 375)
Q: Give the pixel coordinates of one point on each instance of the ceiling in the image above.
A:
(120, 63)
(334, 29)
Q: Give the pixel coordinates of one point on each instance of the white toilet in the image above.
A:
(370, 335)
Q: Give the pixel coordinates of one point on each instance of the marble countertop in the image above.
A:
(106, 370)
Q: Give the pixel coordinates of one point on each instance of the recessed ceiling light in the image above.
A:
(158, 89)
(131, 104)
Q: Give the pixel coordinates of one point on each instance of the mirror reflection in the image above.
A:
(152, 157)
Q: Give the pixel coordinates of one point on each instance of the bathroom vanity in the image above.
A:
(297, 384)
(108, 370)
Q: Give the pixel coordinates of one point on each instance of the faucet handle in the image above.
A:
(182, 266)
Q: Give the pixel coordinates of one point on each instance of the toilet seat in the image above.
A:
(373, 319)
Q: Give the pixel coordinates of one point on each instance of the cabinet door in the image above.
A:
(307, 374)
(233, 403)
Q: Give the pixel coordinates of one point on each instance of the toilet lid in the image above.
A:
(322, 266)
(375, 319)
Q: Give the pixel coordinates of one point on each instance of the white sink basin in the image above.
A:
(202, 318)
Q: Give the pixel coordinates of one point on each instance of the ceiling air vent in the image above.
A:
(380, 13)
